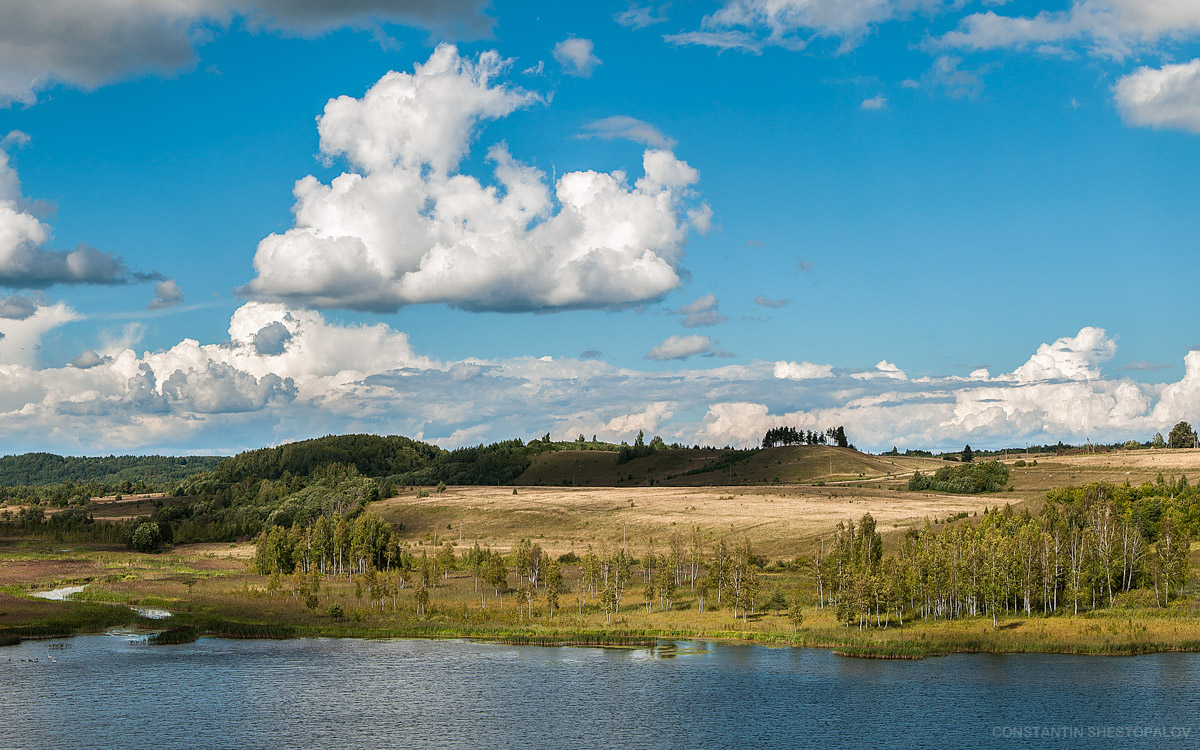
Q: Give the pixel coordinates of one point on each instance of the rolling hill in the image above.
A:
(690, 467)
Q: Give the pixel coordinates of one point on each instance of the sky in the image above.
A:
(233, 223)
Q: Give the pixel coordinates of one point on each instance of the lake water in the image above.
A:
(116, 691)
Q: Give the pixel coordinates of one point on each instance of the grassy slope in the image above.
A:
(670, 467)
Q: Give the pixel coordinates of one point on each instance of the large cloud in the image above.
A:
(87, 44)
(404, 227)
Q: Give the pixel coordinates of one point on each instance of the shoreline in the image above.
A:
(188, 627)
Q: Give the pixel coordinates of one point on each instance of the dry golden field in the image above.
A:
(781, 521)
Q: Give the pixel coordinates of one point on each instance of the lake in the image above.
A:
(117, 691)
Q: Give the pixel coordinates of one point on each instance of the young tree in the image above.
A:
(554, 584)
(1170, 561)
(796, 610)
(497, 575)
(445, 559)
(968, 455)
(702, 587)
(421, 596)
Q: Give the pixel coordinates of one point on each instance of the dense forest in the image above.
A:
(40, 469)
(45, 478)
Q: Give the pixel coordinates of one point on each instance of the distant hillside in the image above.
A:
(692, 467)
(43, 469)
(370, 455)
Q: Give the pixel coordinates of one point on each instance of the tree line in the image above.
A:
(777, 436)
(1087, 546)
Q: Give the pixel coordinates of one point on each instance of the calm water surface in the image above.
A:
(116, 691)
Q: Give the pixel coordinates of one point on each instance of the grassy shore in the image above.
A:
(210, 592)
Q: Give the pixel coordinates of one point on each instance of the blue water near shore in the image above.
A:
(116, 691)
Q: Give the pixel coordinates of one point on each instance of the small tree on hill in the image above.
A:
(968, 455)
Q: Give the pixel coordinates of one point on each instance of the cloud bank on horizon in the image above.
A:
(288, 373)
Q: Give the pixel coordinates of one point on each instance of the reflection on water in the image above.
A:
(66, 592)
(59, 594)
(118, 691)
(150, 613)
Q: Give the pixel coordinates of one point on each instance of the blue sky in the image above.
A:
(856, 208)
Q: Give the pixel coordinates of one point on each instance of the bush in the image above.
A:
(336, 612)
(143, 535)
(568, 558)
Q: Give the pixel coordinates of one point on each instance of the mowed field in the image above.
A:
(779, 521)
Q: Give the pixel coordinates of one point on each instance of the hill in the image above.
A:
(691, 467)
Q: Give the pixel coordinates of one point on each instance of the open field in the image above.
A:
(780, 521)
(1132, 466)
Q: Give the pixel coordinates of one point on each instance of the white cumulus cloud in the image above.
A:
(681, 347)
(404, 227)
(1166, 97)
(166, 294)
(701, 313)
(577, 56)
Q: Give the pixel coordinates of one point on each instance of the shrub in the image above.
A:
(968, 479)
